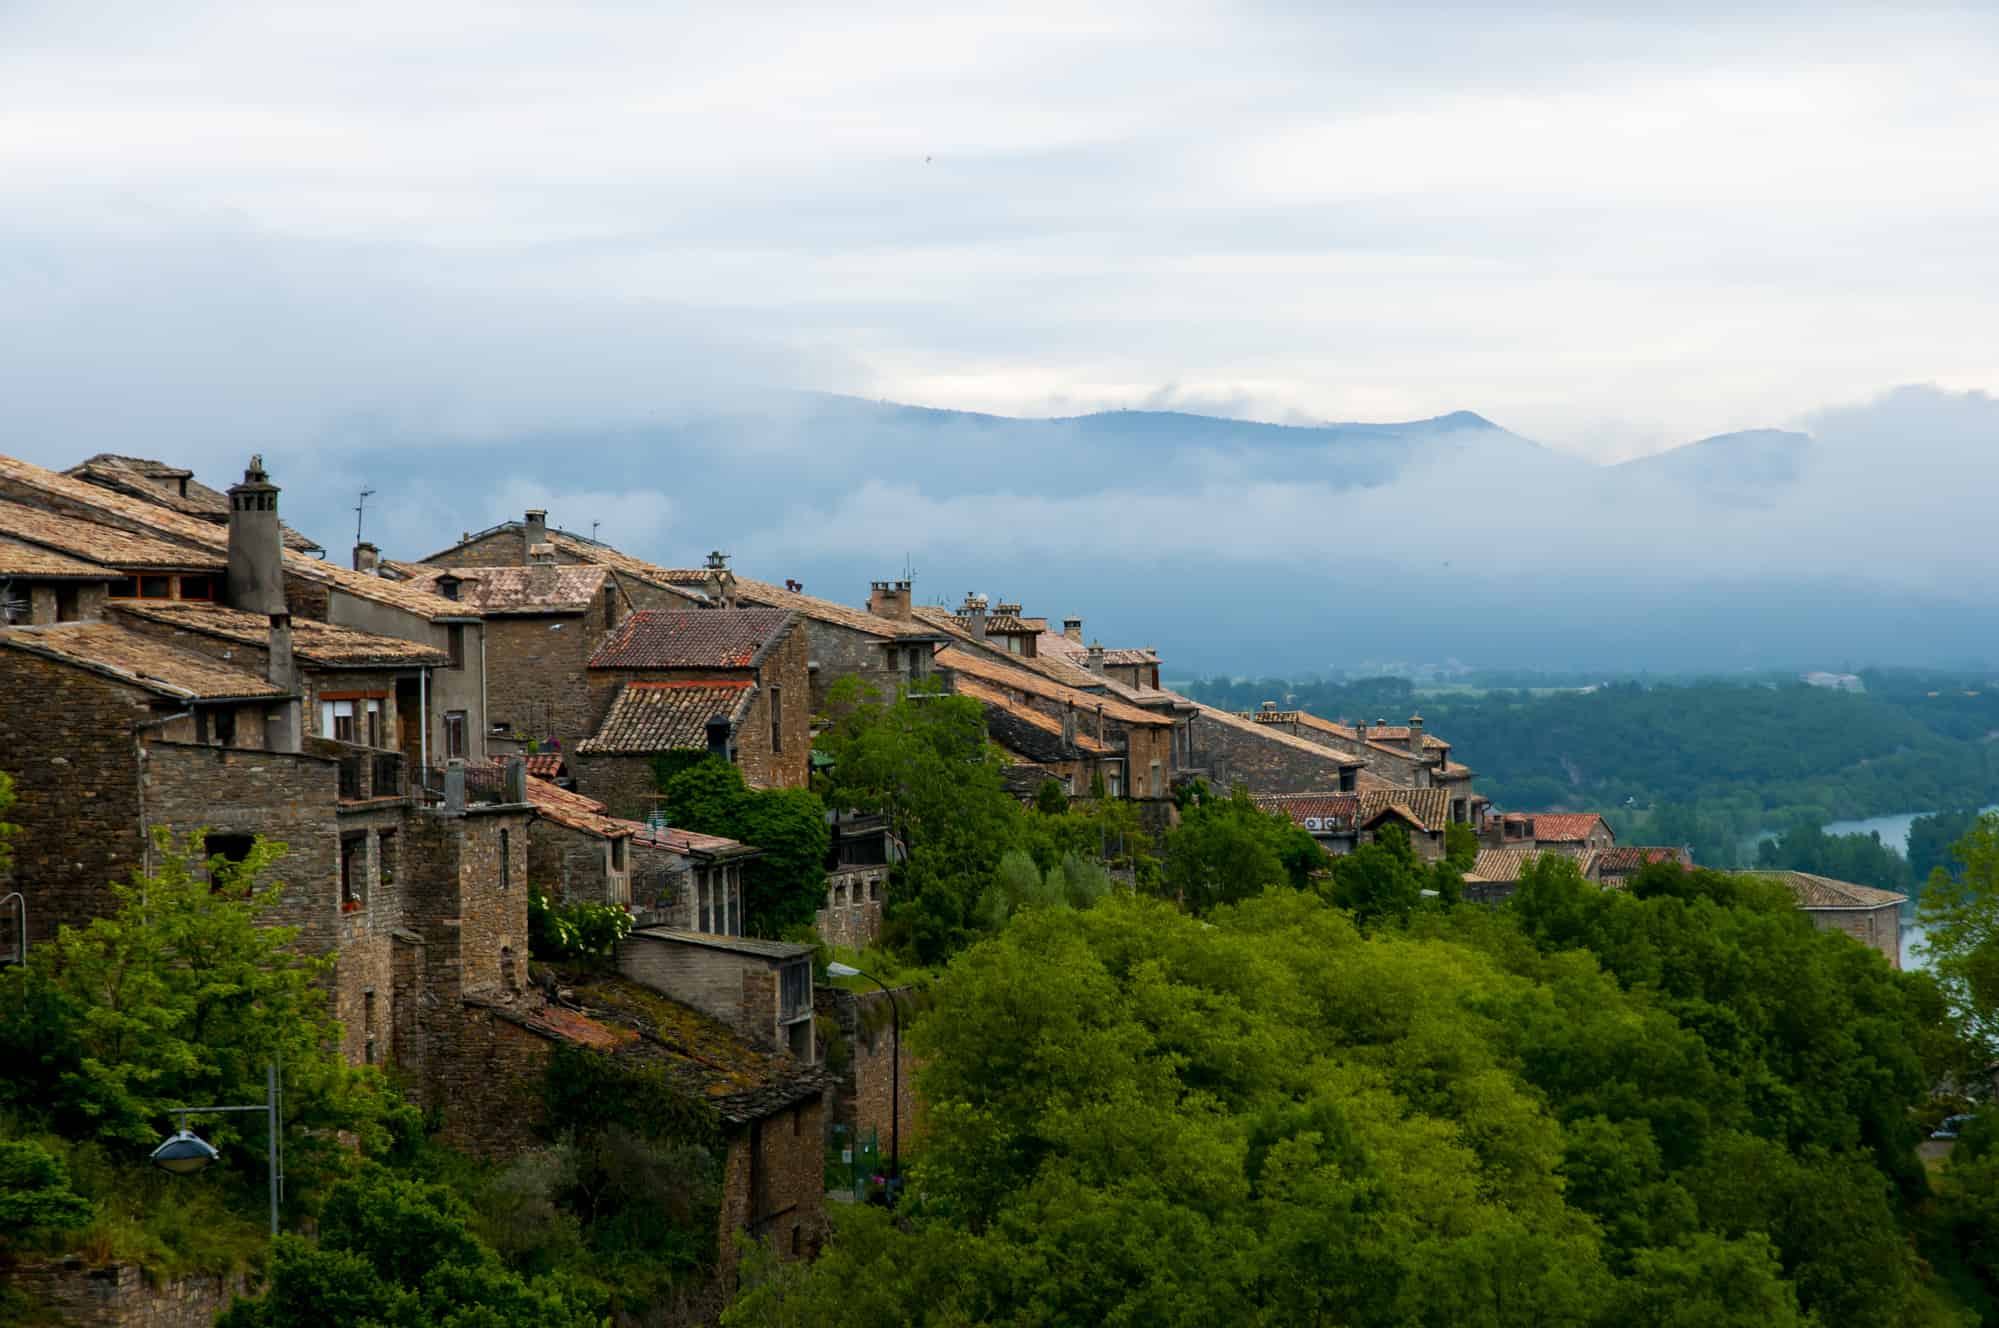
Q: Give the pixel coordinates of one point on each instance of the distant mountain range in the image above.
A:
(1233, 545)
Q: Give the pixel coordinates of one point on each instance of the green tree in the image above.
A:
(35, 1193)
(785, 885)
(1460, 846)
(1960, 918)
(1226, 849)
(7, 828)
(1379, 881)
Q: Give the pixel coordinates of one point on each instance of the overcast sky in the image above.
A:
(224, 223)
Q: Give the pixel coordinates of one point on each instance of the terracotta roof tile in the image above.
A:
(34, 562)
(1824, 892)
(546, 765)
(1018, 679)
(313, 642)
(1429, 807)
(666, 716)
(1624, 860)
(1229, 719)
(136, 658)
(135, 477)
(573, 810)
(499, 591)
(1565, 827)
(1124, 657)
(689, 843)
(1337, 808)
(1025, 731)
(693, 639)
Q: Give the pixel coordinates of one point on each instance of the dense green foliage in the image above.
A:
(1960, 912)
(579, 932)
(924, 763)
(1225, 849)
(35, 1192)
(785, 884)
(401, 1253)
(1703, 763)
(1860, 858)
(1674, 1104)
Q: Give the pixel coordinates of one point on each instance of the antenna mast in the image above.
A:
(359, 507)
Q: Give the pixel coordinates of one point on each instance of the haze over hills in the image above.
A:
(1236, 545)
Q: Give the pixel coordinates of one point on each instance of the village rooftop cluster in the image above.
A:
(430, 736)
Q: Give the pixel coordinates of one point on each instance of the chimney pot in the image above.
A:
(1095, 658)
(366, 557)
(1073, 629)
(536, 527)
(256, 576)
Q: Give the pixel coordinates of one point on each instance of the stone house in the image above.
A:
(761, 989)
(1055, 748)
(770, 1105)
(693, 680)
(1230, 750)
(1402, 755)
(1341, 822)
(1872, 917)
(171, 487)
(1576, 833)
(688, 881)
(543, 622)
(1143, 740)
(259, 574)
(882, 646)
(575, 851)
(1618, 864)
(121, 564)
(872, 1090)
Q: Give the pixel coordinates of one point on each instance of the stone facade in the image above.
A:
(852, 917)
(740, 983)
(626, 785)
(774, 1182)
(122, 1295)
(572, 864)
(535, 675)
(1236, 751)
(1879, 928)
(489, 1088)
(864, 1089)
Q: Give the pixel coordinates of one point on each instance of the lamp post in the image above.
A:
(187, 1152)
(840, 970)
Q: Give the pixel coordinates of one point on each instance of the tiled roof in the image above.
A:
(494, 591)
(1140, 656)
(749, 945)
(119, 509)
(572, 810)
(35, 562)
(1027, 732)
(1625, 860)
(1430, 807)
(1306, 719)
(134, 657)
(977, 666)
(1825, 892)
(1565, 827)
(135, 476)
(693, 639)
(1337, 808)
(1455, 770)
(104, 545)
(667, 716)
(545, 765)
(1501, 864)
(313, 642)
(699, 1053)
(689, 843)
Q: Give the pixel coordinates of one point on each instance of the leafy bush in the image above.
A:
(576, 933)
(35, 1193)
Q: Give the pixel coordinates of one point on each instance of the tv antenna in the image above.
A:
(359, 507)
(593, 530)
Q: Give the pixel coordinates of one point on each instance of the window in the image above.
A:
(201, 586)
(701, 914)
(385, 857)
(337, 720)
(125, 587)
(506, 860)
(230, 847)
(618, 855)
(795, 991)
(353, 873)
(375, 723)
(455, 644)
(225, 727)
(777, 719)
(454, 735)
(66, 604)
(610, 606)
(447, 586)
(156, 587)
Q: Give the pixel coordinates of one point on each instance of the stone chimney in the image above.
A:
(284, 735)
(1416, 734)
(889, 599)
(536, 527)
(1268, 706)
(541, 569)
(1073, 629)
(366, 557)
(718, 736)
(256, 582)
(1069, 724)
(1094, 660)
(721, 582)
(975, 614)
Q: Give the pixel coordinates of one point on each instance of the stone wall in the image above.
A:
(535, 679)
(1260, 762)
(1880, 928)
(864, 1089)
(841, 652)
(120, 1295)
(738, 989)
(66, 737)
(575, 865)
(487, 1080)
(624, 784)
(774, 1183)
(852, 916)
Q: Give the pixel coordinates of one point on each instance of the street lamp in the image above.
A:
(840, 970)
(187, 1152)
